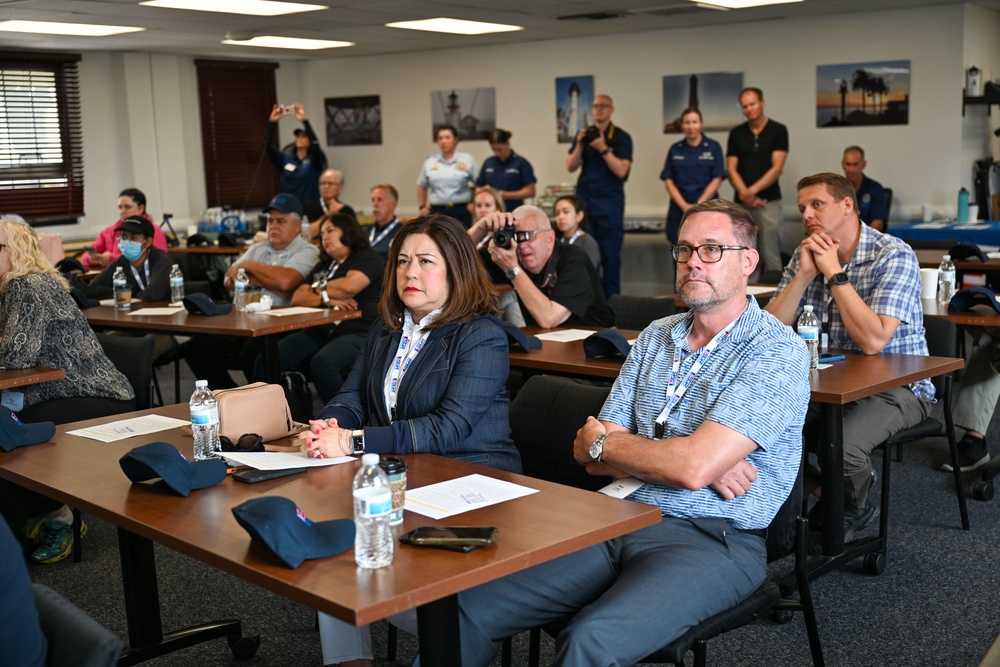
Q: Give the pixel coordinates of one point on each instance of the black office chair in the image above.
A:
(636, 312)
(888, 205)
(74, 638)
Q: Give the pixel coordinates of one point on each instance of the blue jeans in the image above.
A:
(630, 595)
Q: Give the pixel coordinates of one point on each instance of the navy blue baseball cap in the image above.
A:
(517, 337)
(15, 433)
(965, 299)
(202, 304)
(163, 460)
(287, 531)
(606, 343)
(284, 203)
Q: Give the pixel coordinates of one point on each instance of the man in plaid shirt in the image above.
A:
(865, 288)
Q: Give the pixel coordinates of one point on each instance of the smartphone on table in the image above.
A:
(454, 538)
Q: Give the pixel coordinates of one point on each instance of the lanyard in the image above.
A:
(333, 270)
(371, 235)
(575, 236)
(405, 355)
(136, 274)
(676, 392)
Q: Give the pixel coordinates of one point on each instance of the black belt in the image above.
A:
(759, 532)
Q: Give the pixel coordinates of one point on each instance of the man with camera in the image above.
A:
(555, 284)
(604, 151)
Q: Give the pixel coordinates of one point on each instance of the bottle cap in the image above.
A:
(201, 383)
(370, 459)
(946, 258)
(807, 307)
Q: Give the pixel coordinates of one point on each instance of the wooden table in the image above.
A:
(556, 521)
(979, 316)
(762, 293)
(568, 358)
(234, 323)
(19, 377)
(931, 259)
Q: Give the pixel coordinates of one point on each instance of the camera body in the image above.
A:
(503, 237)
(287, 109)
(591, 134)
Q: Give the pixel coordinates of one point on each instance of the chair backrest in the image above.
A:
(942, 341)
(133, 356)
(888, 203)
(74, 638)
(780, 538)
(544, 418)
(636, 312)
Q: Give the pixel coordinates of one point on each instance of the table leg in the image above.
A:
(831, 460)
(142, 610)
(437, 630)
(271, 372)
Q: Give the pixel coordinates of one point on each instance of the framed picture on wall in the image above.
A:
(353, 121)
(574, 99)
(472, 111)
(715, 94)
(856, 94)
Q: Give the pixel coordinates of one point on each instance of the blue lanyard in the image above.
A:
(371, 235)
(136, 273)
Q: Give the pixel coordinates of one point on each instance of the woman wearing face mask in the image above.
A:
(507, 171)
(131, 202)
(147, 269)
(693, 171)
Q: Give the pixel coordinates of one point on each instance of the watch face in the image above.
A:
(597, 449)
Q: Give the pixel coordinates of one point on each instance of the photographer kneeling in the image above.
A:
(554, 284)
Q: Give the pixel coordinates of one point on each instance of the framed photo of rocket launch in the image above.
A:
(574, 100)
(715, 94)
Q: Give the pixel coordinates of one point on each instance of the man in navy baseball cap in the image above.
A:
(284, 528)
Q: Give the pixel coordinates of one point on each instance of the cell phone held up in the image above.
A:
(452, 538)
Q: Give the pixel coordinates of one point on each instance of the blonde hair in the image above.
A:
(493, 192)
(26, 256)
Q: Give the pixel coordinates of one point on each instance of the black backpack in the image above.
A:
(298, 394)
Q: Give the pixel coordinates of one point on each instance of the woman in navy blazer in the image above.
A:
(431, 376)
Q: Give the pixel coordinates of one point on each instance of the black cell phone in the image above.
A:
(454, 538)
(254, 475)
(830, 357)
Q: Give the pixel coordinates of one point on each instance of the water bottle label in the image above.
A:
(373, 505)
(809, 333)
(204, 416)
(176, 282)
(240, 287)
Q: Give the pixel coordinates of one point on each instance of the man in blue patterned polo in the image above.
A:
(703, 422)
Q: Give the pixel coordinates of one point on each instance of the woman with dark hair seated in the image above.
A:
(41, 325)
(430, 377)
(131, 202)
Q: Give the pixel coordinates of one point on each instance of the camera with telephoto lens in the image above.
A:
(503, 237)
(591, 134)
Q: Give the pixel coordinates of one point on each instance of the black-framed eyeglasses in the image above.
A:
(709, 252)
(2, 246)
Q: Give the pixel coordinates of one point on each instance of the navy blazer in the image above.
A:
(452, 400)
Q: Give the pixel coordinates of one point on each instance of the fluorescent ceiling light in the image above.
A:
(743, 4)
(272, 42)
(454, 26)
(79, 29)
(249, 7)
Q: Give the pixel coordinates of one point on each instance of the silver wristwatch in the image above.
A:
(597, 447)
(512, 272)
(358, 442)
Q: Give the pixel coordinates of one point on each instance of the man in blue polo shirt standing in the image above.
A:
(604, 151)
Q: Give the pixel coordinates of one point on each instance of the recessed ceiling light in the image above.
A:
(79, 29)
(272, 42)
(249, 7)
(743, 4)
(454, 26)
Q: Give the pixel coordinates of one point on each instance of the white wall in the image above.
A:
(141, 124)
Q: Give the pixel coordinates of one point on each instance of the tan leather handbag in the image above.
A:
(258, 408)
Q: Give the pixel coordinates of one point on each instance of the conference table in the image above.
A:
(19, 377)
(979, 232)
(555, 521)
(568, 358)
(234, 323)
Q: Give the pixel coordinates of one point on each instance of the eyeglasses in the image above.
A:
(527, 236)
(2, 246)
(709, 252)
(602, 106)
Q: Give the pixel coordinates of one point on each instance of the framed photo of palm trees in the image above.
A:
(856, 94)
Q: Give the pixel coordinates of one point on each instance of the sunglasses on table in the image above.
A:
(248, 442)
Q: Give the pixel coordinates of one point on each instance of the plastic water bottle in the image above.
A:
(808, 328)
(121, 289)
(372, 509)
(204, 421)
(946, 281)
(306, 232)
(176, 285)
(240, 298)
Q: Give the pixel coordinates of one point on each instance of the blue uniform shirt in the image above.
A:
(511, 175)
(872, 204)
(692, 168)
(598, 186)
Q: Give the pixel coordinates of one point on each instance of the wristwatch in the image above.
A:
(838, 279)
(358, 442)
(606, 151)
(597, 447)
(512, 272)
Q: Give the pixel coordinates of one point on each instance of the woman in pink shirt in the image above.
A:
(105, 250)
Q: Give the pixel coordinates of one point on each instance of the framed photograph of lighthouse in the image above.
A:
(715, 94)
(472, 111)
(856, 94)
(574, 103)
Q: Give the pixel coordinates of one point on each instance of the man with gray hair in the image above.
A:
(331, 185)
(555, 284)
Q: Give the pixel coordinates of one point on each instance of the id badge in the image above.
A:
(290, 167)
(12, 400)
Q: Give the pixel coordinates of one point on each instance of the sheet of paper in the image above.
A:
(111, 301)
(621, 488)
(467, 493)
(280, 460)
(294, 310)
(127, 428)
(163, 310)
(933, 225)
(566, 335)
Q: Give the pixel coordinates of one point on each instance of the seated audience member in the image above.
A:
(349, 277)
(559, 285)
(331, 184)
(131, 202)
(872, 201)
(865, 287)
(385, 198)
(485, 200)
(572, 226)
(976, 399)
(147, 269)
(301, 166)
(280, 266)
(445, 392)
(719, 459)
(40, 325)
(22, 642)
